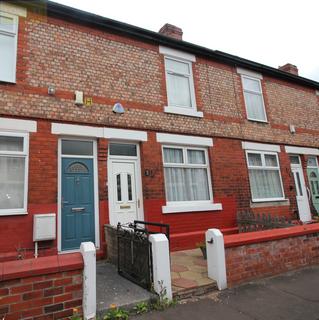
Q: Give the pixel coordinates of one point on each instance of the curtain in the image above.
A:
(12, 182)
(265, 184)
(196, 156)
(255, 107)
(173, 155)
(8, 143)
(178, 91)
(186, 184)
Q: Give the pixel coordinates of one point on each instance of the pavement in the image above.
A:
(111, 288)
(290, 296)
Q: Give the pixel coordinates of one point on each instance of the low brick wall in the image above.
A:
(43, 288)
(260, 254)
(111, 243)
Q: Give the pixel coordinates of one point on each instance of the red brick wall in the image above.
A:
(266, 253)
(45, 288)
(118, 68)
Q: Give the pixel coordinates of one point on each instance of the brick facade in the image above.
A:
(250, 257)
(116, 68)
(46, 288)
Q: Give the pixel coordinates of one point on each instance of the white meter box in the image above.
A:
(44, 227)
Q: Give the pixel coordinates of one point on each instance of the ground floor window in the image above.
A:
(13, 172)
(186, 173)
(264, 176)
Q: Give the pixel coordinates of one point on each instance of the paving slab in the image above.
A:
(111, 288)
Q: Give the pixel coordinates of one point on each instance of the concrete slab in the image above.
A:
(111, 288)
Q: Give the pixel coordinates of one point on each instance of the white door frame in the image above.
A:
(303, 184)
(139, 188)
(96, 190)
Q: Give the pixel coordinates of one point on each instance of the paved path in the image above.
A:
(292, 296)
(111, 288)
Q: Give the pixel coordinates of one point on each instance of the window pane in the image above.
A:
(173, 155)
(122, 149)
(252, 85)
(196, 156)
(76, 147)
(255, 106)
(7, 57)
(271, 160)
(294, 159)
(8, 143)
(265, 184)
(186, 184)
(129, 187)
(7, 24)
(312, 162)
(118, 187)
(178, 88)
(12, 182)
(299, 183)
(177, 66)
(254, 159)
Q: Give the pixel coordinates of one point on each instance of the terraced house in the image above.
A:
(104, 122)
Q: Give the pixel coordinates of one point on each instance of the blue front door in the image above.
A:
(77, 202)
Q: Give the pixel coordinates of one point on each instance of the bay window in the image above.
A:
(13, 172)
(264, 176)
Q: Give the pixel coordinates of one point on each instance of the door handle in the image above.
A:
(78, 209)
(309, 193)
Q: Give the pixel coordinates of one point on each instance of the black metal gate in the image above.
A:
(134, 255)
(135, 251)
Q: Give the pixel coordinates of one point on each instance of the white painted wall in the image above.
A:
(161, 264)
(216, 264)
(88, 252)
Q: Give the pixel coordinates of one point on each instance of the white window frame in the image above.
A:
(243, 77)
(264, 167)
(23, 154)
(189, 206)
(183, 110)
(13, 34)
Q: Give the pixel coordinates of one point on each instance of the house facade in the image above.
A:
(102, 122)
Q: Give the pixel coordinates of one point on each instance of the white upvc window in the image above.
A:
(14, 149)
(254, 100)
(180, 82)
(8, 46)
(187, 176)
(264, 176)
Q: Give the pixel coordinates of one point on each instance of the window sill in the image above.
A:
(270, 203)
(256, 120)
(184, 111)
(192, 208)
(13, 213)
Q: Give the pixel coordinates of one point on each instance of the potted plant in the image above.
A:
(202, 246)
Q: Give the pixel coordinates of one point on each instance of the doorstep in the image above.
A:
(189, 274)
(111, 288)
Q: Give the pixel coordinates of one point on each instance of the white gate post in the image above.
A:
(88, 252)
(216, 257)
(161, 264)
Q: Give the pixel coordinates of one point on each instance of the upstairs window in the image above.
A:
(254, 99)
(8, 47)
(180, 83)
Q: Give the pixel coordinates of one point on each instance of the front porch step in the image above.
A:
(181, 294)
